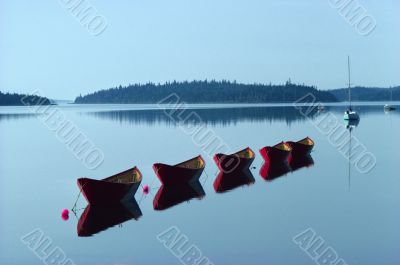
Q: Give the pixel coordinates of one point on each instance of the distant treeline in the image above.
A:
(206, 92)
(8, 99)
(214, 92)
(367, 93)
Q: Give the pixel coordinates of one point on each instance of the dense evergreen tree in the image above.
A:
(367, 93)
(8, 99)
(206, 92)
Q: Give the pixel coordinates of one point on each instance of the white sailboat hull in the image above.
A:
(351, 116)
(388, 107)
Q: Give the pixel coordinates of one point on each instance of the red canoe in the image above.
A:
(238, 161)
(181, 173)
(278, 152)
(270, 171)
(301, 147)
(96, 218)
(229, 181)
(169, 196)
(112, 190)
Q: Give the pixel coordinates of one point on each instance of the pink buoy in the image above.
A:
(146, 189)
(65, 217)
(65, 214)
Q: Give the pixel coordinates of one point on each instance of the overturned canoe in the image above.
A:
(278, 152)
(238, 161)
(181, 173)
(112, 190)
(97, 218)
(229, 181)
(302, 147)
(169, 196)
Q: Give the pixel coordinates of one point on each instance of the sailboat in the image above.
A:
(389, 107)
(350, 114)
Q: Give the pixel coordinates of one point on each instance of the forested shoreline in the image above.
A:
(367, 93)
(214, 92)
(14, 99)
(205, 92)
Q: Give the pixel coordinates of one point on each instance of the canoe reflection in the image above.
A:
(298, 162)
(229, 181)
(169, 196)
(272, 170)
(96, 218)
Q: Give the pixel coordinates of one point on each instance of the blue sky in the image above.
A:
(43, 46)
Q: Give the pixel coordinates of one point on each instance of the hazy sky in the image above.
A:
(43, 46)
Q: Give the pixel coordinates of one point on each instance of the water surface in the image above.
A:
(358, 215)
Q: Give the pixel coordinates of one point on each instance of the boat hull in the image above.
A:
(105, 193)
(389, 107)
(176, 175)
(299, 148)
(233, 162)
(270, 153)
(351, 115)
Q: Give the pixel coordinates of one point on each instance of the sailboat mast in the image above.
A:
(348, 66)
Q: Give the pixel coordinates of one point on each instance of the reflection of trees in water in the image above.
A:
(222, 116)
(16, 116)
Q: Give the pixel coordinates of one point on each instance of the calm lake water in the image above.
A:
(357, 215)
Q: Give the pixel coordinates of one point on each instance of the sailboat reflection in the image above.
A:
(229, 181)
(272, 170)
(297, 162)
(97, 218)
(350, 126)
(169, 196)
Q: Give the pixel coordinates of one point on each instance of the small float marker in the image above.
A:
(146, 189)
(65, 214)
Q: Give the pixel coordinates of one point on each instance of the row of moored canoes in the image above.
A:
(123, 186)
(112, 202)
